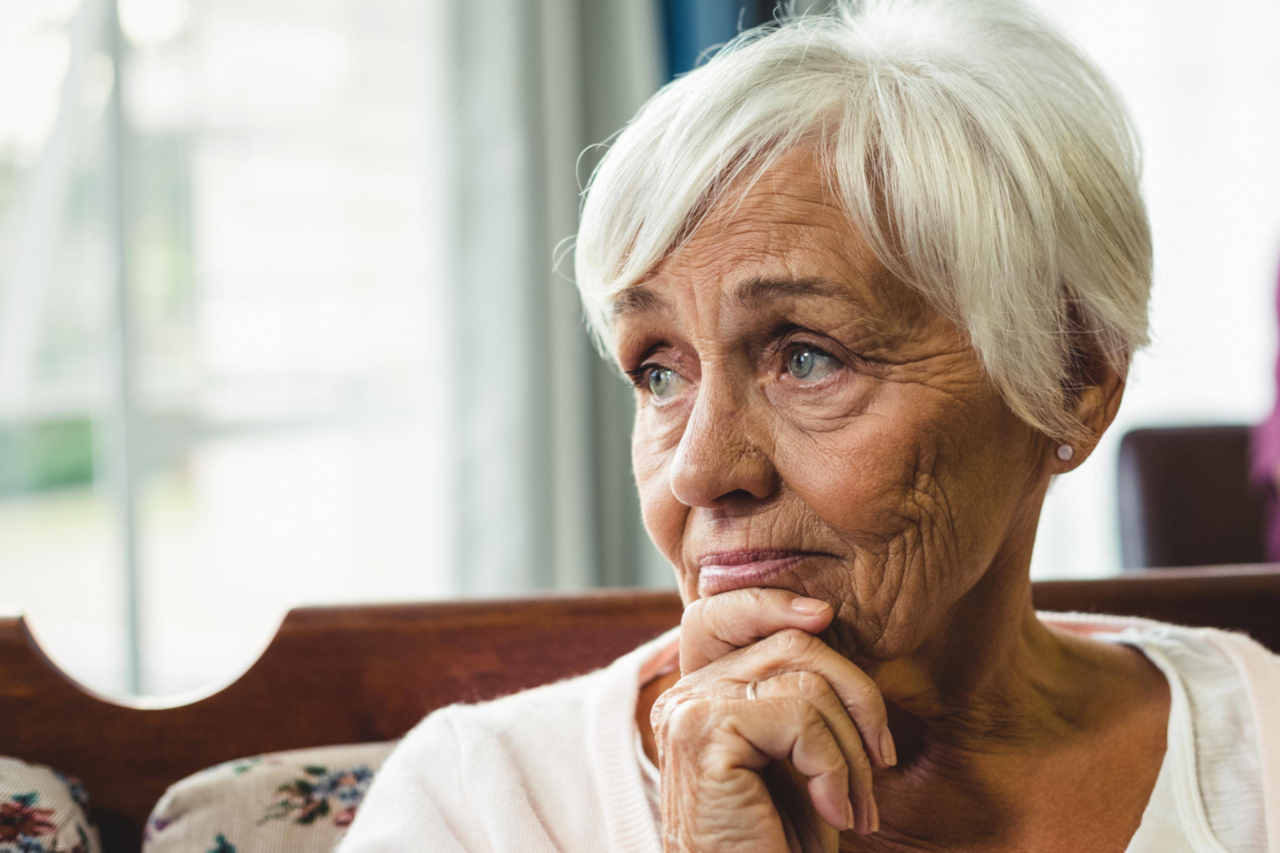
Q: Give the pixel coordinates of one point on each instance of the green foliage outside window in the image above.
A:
(37, 457)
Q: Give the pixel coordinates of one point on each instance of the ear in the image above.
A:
(1095, 407)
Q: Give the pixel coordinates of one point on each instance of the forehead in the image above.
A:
(786, 226)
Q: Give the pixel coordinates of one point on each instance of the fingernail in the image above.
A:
(875, 816)
(888, 751)
(808, 606)
(849, 822)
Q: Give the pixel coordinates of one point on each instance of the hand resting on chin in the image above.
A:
(785, 769)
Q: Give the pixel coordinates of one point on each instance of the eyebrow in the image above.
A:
(752, 294)
(759, 292)
(639, 299)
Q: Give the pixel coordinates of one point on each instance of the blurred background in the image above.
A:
(279, 322)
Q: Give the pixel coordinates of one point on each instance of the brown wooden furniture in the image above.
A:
(351, 674)
(1185, 498)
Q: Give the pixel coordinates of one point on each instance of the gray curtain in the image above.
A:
(544, 496)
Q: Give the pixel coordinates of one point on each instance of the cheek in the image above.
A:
(880, 487)
(922, 493)
(664, 516)
(857, 480)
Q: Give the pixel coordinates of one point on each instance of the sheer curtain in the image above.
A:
(1203, 83)
(541, 480)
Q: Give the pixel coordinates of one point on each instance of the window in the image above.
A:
(220, 393)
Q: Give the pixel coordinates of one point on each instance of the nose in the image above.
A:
(722, 457)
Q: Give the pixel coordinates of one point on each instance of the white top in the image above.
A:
(559, 768)
(1208, 796)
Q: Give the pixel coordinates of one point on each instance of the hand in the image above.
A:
(814, 710)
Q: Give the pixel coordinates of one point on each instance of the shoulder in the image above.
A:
(561, 709)
(526, 771)
(1238, 648)
(1226, 678)
(1199, 655)
(547, 717)
(469, 775)
(1227, 684)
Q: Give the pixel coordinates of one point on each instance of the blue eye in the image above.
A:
(663, 382)
(810, 364)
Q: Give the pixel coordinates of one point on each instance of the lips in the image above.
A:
(738, 569)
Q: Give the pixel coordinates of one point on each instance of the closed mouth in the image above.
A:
(728, 570)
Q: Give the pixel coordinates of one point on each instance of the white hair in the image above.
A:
(985, 160)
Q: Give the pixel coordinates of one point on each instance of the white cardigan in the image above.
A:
(557, 769)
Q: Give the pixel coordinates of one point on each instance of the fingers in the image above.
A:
(774, 628)
(713, 627)
(793, 650)
(817, 692)
(767, 636)
(789, 729)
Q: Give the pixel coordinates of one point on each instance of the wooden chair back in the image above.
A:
(367, 673)
(1185, 498)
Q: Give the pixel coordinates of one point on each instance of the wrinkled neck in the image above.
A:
(992, 672)
(992, 657)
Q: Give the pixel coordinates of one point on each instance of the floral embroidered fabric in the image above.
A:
(43, 811)
(286, 802)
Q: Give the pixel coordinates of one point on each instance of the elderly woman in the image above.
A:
(877, 276)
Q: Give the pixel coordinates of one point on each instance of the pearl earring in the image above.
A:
(1065, 452)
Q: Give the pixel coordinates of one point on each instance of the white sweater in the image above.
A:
(558, 769)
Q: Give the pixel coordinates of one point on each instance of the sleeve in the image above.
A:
(418, 799)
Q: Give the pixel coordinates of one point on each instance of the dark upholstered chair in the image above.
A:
(1186, 499)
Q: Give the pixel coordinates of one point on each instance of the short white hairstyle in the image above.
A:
(987, 163)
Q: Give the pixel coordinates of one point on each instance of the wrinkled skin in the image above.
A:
(913, 492)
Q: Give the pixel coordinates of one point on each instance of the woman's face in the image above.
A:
(804, 421)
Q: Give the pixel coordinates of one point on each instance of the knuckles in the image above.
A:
(684, 720)
(811, 686)
(692, 617)
(867, 695)
(681, 720)
(791, 646)
(658, 715)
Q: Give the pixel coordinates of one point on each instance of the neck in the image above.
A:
(991, 668)
(992, 671)
(995, 707)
